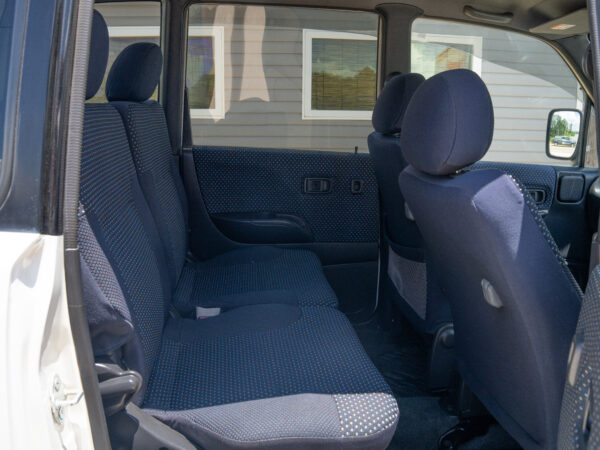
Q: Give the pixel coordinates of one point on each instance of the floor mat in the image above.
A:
(401, 356)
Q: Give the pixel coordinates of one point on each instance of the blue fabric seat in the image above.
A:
(514, 302)
(411, 284)
(267, 274)
(260, 375)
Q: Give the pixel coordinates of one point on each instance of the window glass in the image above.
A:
(342, 74)
(6, 32)
(525, 76)
(591, 154)
(281, 77)
(128, 23)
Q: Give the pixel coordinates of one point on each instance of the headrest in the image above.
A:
(135, 73)
(393, 100)
(98, 55)
(449, 123)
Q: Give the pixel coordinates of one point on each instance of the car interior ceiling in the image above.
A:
(411, 294)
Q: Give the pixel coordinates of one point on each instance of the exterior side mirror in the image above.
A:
(562, 135)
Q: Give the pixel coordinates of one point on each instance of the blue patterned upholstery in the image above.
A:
(115, 213)
(159, 177)
(249, 180)
(579, 415)
(533, 176)
(304, 367)
(315, 358)
(266, 272)
(412, 288)
(513, 301)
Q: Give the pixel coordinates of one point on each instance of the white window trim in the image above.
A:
(307, 112)
(134, 31)
(217, 33)
(475, 41)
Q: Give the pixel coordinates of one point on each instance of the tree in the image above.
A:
(559, 126)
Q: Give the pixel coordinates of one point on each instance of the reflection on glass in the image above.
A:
(343, 74)
(429, 58)
(201, 72)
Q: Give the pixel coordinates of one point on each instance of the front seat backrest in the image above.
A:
(406, 278)
(384, 147)
(514, 302)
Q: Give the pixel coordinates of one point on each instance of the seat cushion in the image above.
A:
(270, 375)
(253, 275)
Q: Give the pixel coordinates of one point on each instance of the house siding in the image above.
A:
(263, 81)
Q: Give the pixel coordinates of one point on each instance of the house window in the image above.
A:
(121, 37)
(435, 53)
(205, 72)
(338, 75)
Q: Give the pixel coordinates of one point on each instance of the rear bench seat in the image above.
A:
(260, 374)
(248, 275)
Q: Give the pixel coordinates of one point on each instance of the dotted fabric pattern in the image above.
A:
(106, 192)
(541, 223)
(365, 414)
(255, 180)
(318, 353)
(279, 418)
(90, 251)
(530, 175)
(151, 149)
(579, 426)
(254, 270)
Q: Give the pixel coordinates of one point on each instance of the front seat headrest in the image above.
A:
(449, 123)
(135, 73)
(98, 55)
(392, 102)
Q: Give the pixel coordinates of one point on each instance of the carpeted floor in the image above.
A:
(401, 357)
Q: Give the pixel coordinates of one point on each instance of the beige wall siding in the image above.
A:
(263, 80)
(263, 83)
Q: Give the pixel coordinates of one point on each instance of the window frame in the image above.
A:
(308, 113)
(217, 32)
(475, 41)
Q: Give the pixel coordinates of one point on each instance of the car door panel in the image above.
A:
(335, 194)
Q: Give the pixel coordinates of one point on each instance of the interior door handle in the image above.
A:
(317, 185)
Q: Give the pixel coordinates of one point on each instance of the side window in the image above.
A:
(128, 22)
(338, 73)
(525, 76)
(591, 154)
(281, 77)
(6, 33)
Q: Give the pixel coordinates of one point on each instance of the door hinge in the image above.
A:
(60, 399)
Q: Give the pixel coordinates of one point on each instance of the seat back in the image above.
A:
(125, 293)
(131, 81)
(514, 302)
(405, 268)
(388, 162)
